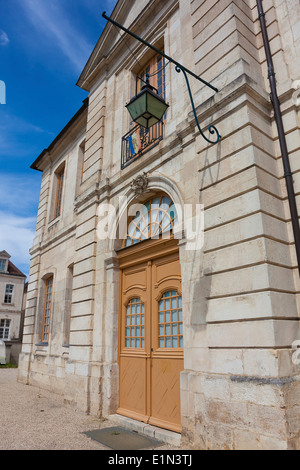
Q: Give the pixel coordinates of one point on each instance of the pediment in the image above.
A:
(126, 12)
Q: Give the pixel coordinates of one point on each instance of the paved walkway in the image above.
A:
(34, 419)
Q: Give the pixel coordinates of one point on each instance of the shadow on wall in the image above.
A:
(209, 162)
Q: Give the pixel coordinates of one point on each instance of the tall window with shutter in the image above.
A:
(47, 309)
(58, 193)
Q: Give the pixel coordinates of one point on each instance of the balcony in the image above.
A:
(139, 141)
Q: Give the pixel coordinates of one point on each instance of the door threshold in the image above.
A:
(163, 435)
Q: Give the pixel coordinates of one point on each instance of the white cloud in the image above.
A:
(13, 131)
(52, 21)
(16, 237)
(19, 196)
(4, 41)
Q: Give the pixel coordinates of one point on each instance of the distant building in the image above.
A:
(12, 293)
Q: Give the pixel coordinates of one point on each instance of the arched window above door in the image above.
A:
(156, 216)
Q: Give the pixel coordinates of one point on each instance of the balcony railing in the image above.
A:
(139, 141)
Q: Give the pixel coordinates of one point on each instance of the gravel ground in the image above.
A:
(34, 419)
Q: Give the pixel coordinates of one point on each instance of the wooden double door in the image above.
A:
(151, 333)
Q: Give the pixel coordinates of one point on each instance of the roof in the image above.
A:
(76, 116)
(14, 271)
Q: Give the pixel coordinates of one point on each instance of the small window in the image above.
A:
(135, 324)
(4, 329)
(47, 310)
(2, 265)
(170, 325)
(58, 193)
(8, 293)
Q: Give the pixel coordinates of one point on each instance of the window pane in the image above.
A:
(154, 218)
(134, 335)
(170, 322)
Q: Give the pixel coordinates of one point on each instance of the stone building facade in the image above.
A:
(227, 371)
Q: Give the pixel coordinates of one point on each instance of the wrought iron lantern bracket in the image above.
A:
(179, 68)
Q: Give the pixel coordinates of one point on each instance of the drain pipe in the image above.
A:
(282, 140)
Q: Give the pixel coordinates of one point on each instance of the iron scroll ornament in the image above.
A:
(212, 129)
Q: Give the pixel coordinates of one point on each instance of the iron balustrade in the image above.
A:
(138, 141)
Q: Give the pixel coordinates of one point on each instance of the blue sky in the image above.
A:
(44, 45)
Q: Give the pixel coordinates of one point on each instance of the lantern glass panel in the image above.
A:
(137, 107)
(156, 107)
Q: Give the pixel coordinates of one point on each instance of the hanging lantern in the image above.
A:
(147, 108)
